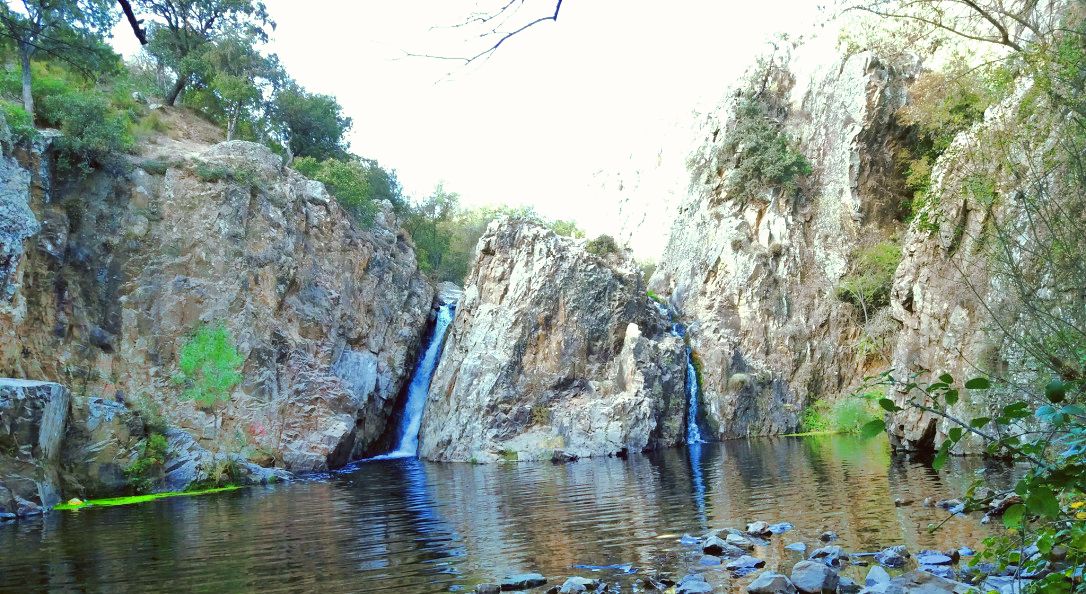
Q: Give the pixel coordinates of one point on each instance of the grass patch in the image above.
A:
(872, 277)
(847, 415)
(134, 499)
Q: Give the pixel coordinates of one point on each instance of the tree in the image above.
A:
(69, 30)
(235, 76)
(184, 31)
(311, 125)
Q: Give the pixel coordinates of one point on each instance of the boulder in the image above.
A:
(922, 582)
(488, 589)
(895, 556)
(847, 586)
(830, 555)
(759, 528)
(798, 547)
(746, 563)
(693, 584)
(875, 576)
(523, 581)
(740, 541)
(813, 577)
(579, 584)
(716, 546)
(769, 582)
(828, 536)
(933, 558)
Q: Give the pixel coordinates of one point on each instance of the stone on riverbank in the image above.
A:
(813, 577)
(892, 556)
(522, 581)
(579, 584)
(876, 576)
(922, 582)
(769, 582)
(693, 584)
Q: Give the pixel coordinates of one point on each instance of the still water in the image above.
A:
(415, 527)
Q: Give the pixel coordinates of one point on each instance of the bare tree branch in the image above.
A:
(485, 19)
(135, 23)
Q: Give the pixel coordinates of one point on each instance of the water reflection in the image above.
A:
(410, 526)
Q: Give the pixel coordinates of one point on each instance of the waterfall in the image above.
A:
(693, 434)
(408, 445)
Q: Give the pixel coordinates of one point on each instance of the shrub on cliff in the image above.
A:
(355, 184)
(603, 246)
(760, 152)
(145, 472)
(869, 283)
(210, 366)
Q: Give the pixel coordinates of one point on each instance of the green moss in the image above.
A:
(115, 501)
(652, 295)
(509, 455)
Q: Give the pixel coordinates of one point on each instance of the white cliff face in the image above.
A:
(754, 277)
(553, 351)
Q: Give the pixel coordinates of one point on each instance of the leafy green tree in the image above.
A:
(234, 77)
(68, 30)
(184, 31)
(210, 366)
(312, 125)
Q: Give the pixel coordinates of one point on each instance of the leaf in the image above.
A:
(955, 434)
(1012, 518)
(1056, 391)
(873, 428)
(979, 422)
(978, 383)
(946, 378)
(951, 397)
(888, 405)
(1042, 501)
(941, 455)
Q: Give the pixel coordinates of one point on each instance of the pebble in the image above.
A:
(828, 536)
(799, 547)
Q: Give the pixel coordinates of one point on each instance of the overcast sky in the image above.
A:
(535, 122)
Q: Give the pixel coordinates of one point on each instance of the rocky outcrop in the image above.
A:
(553, 351)
(753, 269)
(32, 421)
(981, 284)
(115, 271)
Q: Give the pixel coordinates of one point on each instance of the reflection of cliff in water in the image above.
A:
(410, 526)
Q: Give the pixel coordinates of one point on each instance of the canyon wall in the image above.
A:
(753, 268)
(105, 276)
(555, 352)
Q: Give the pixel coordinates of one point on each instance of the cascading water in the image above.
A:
(408, 445)
(693, 434)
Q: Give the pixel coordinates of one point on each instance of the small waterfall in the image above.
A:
(693, 434)
(420, 384)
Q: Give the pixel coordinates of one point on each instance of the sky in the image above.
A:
(536, 122)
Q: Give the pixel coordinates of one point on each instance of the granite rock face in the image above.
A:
(32, 421)
(109, 275)
(753, 270)
(554, 351)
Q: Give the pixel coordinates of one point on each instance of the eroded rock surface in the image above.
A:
(753, 270)
(553, 349)
(115, 271)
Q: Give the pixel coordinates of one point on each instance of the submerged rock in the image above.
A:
(831, 555)
(523, 581)
(813, 577)
(716, 546)
(895, 556)
(579, 584)
(553, 347)
(922, 582)
(769, 582)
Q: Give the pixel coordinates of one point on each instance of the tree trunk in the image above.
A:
(231, 125)
(179, 86)
(28, 95)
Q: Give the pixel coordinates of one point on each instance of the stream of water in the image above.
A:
(403, 525)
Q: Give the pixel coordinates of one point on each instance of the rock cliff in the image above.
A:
(554, 351)
(104, 277)
(753, 267)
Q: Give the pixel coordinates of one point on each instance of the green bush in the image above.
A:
(145, 472)
(761, 152)
(848, 415)
(210, 366)
(92, 131)
(348, 181)
(869, 283)
(19, 122)
(603, 246)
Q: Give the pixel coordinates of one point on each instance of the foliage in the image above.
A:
(445, 233)
(760, 152)
(182, 33)
(1045, 431)
(658, 299)
(210, 366)
(845, 415)
(869, 283)
(19, 121)
(942, 104)
(93, 133)
(313, 125)
(351, 182)
(603, 246)
(146, 471)
(66, 30)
